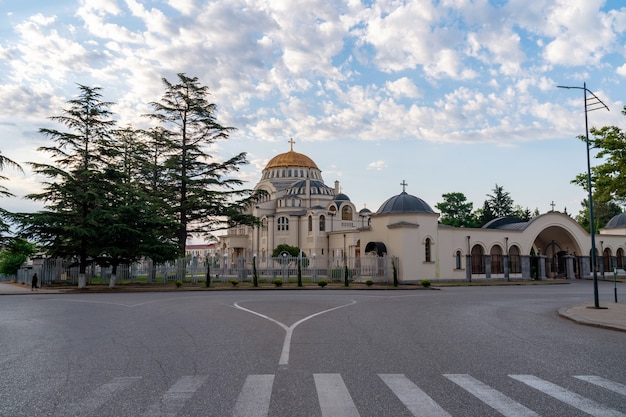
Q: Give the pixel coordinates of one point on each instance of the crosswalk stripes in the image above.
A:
(176, 397)
(604, 383)
(413, 398)
(254, 398)
(335, 400)
(495, 399)
(568, 397)
(100, 396)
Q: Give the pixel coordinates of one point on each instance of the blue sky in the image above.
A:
(448, 95)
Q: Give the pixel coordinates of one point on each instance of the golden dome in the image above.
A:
(291, 159)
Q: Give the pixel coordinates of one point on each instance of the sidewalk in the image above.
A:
(7, 288)
(610, 316)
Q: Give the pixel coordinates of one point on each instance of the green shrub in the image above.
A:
(425, 283)
(369, 282)
(178, 283)
(322, 283)
(278, 282)
(234, 282)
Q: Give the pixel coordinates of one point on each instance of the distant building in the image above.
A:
(301, 210)
(200, 252)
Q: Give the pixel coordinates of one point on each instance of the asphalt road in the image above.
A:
(479, 351)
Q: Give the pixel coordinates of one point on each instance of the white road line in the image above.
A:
(99, 396)
(495, 399)
(568, 397)
(284, 356)
(176, 397)
(254, 398)
(334, 398)
(416, 400)
(604, 383)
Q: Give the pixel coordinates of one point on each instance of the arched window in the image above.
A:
(620, 258)
(310, 223)
(457, 260)
(322, 223)
(346, 213)
(608, 260)
(496, 260)
(478, 260)
(427, 256)
(283, 224)
(515, 261)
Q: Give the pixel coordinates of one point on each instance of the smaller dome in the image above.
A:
(404, 203)
(365, 211)
(617, 222)
(341, 197)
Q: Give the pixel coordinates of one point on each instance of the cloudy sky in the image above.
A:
(448, 95)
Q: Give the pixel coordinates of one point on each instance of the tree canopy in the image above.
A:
(608, 178)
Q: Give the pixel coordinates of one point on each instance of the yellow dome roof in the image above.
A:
(291, 159)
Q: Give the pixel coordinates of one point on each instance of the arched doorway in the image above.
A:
(478, 260)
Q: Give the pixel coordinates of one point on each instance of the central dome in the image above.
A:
(291, 159)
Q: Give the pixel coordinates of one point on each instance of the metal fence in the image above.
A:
(330, 269)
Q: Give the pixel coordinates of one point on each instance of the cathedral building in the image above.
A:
(404, 234)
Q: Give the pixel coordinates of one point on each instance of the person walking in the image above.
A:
(33, 286)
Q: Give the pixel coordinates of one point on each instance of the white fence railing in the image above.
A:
(331, 269)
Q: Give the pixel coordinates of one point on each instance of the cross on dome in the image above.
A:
(291, 141)
(403, 184)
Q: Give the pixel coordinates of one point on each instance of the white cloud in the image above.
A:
(621, 70)
(377, 165)
(402, 87)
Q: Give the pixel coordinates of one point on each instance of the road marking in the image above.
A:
(174, 399)
(414, 399)
(284, 356)
(604, 383)
(254, 398)
(334, 398)
(568, 397)
(495, 399)
(99, 396)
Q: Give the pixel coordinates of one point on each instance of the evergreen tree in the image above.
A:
(202, 193)
(609, 177)
(456, 210)
(137, 224)
(4, 192)
(602, 213)
(14, 255)
(71, 224)
(500, 202)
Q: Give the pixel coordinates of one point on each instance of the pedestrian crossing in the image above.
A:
(336, 399)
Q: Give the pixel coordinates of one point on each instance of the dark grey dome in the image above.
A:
(510, 223)
(341, 197)
(404, 203)
(364, 211)
(617, 222)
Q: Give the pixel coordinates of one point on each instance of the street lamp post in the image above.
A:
(591, 103)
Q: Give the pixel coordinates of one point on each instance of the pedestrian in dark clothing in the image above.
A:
(33, 286)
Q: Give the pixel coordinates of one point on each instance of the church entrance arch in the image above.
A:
(558, 247)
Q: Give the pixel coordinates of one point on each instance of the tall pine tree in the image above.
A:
(201, 191)
(71, 223)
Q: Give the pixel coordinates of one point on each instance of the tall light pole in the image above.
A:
(591, 103)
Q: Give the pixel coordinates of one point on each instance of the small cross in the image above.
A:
(403, 184)
(552, 204)
(292, 142)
